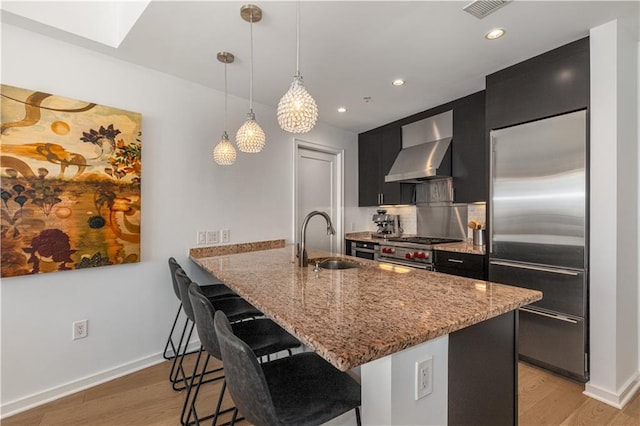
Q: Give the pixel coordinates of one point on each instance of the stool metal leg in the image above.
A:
(178, 360)
(170, 339)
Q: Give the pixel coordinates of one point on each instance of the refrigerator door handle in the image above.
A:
(535, 268)
(492, 162)
(554, 316)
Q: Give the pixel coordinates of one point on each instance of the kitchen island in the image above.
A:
(385, 318)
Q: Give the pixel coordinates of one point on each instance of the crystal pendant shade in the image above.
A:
(250, 137)
(297, 110)
(224, 153)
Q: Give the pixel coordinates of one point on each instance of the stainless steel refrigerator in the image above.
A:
(538, 235)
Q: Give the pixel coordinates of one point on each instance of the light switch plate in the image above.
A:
(201, 238)
(213, 237)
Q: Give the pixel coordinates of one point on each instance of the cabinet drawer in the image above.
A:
(462, 264)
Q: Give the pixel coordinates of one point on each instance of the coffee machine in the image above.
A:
(388, 224)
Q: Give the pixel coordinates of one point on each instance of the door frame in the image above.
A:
(338, 221)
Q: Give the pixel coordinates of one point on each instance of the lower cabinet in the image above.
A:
(461, 264)
(483, 373)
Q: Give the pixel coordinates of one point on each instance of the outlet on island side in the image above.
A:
(424, 378)
(80, 329)
(226, 235)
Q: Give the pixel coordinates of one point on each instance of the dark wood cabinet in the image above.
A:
(369, 168)
(461, 264)
(483, 373)
(377, 150)
(469, 153)
(549, 84)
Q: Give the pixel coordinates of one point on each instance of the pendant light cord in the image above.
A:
(225, 97)
(251, 68)
(298, 38)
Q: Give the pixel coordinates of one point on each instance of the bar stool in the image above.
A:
(237, 308)
(302, 389)
(262, 335)
(212, 291)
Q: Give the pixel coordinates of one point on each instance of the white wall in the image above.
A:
(615, 371)
(130, 307)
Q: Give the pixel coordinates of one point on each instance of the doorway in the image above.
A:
(319, 185)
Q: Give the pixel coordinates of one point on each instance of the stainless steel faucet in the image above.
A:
(302, 252)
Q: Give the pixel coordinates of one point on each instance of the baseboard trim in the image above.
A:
(23, 404)
(618, 399)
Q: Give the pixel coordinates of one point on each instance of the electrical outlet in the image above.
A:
(201, 238)
(424, 378)
(226, 235)
(213, 237)
(80, 329)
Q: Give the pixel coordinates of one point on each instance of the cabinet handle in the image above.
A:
(382, 198)
(535, 268)
(553, 316)
(455, 260)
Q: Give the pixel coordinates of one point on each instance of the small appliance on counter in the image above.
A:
(388, 224)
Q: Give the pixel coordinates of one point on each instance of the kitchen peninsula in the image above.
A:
(384, 318)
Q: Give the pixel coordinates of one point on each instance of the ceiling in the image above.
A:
(349, 50)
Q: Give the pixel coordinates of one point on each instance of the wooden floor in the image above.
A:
(146, 398)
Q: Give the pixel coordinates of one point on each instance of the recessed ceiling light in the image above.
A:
(398, 82)
(342, 109)
(495, 34)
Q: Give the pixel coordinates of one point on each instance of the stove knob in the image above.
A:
(421, 255)
(386, 250)
(408, 255)
(416, 255)
(391, 250)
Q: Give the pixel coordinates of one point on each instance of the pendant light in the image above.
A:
(250, 136)
(224, 153)
(297, 110)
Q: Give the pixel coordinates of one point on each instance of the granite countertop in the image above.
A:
(365, 237)
(460, 247)
(354, 316)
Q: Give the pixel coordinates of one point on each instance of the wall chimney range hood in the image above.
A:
(426, 150)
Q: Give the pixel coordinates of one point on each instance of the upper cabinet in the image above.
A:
(469, 154)
(377, 149)
(549, 84)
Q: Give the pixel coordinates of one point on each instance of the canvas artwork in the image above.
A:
(70, 177)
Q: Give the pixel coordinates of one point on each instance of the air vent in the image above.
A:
(482, 8)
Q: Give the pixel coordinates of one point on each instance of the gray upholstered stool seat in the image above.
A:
(212, 291)
(236, 308)
(262, 335)
(301, 389)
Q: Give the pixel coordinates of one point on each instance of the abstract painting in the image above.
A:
(70, 178)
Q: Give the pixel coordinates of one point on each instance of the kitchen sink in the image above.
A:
(337, 264)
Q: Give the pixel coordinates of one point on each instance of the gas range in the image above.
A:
(411, 251)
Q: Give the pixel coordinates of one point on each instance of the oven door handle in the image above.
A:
(364, 250)
(416, 265)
